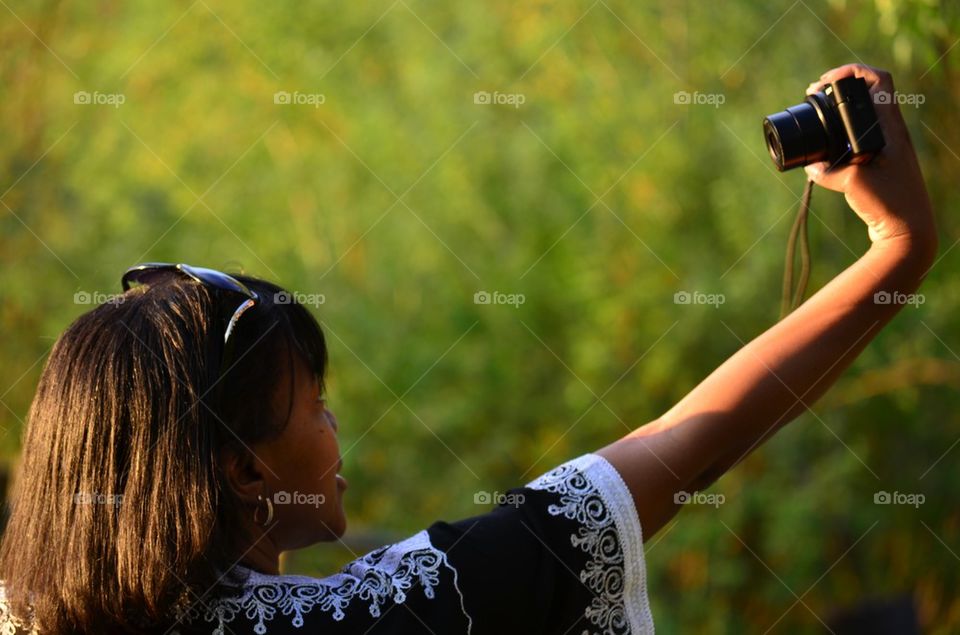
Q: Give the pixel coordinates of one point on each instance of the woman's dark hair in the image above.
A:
(121, 515)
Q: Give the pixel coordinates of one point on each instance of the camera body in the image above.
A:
(837, 124)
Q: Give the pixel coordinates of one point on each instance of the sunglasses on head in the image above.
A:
(148, 272)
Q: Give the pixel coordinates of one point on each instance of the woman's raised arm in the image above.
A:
(786, 369)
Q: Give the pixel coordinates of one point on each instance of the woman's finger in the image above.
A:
(880, 84)
(873, 76)
(832, 179)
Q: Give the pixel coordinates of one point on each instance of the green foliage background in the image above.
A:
(598, 198)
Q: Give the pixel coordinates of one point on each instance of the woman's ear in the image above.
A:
(244, 473)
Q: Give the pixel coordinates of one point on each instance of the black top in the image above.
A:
(563, 554)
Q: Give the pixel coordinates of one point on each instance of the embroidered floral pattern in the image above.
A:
(11, 624)
(385, 574)
(592, 493)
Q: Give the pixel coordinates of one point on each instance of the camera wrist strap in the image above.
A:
(789, 299)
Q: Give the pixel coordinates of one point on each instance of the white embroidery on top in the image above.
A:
(10, 624)
(385, 574)
(592, 492)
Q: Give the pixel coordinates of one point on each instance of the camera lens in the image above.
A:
(773, 144)
(836, 124)
(796, 137)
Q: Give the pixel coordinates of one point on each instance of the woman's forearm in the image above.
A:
(786, 369)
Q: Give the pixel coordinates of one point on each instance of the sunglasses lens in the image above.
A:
(146, 274)
(151, 272)
(218, 279)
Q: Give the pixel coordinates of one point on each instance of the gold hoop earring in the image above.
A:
(260, 499)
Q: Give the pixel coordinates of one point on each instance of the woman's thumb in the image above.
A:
(831, 179)
(815, 171)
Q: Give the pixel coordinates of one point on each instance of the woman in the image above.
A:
(179, 441)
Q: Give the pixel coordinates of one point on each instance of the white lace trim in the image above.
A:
(11, 624)
(381, 575)
(593, 492)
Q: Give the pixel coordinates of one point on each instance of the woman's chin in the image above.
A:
(341, 527)
(334, 529)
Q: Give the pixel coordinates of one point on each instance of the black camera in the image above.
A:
(837, 124)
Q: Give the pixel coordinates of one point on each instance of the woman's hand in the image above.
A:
(887, 193)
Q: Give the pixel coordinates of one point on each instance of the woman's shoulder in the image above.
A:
(566, 548)
(412, 572)
(563, 552)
